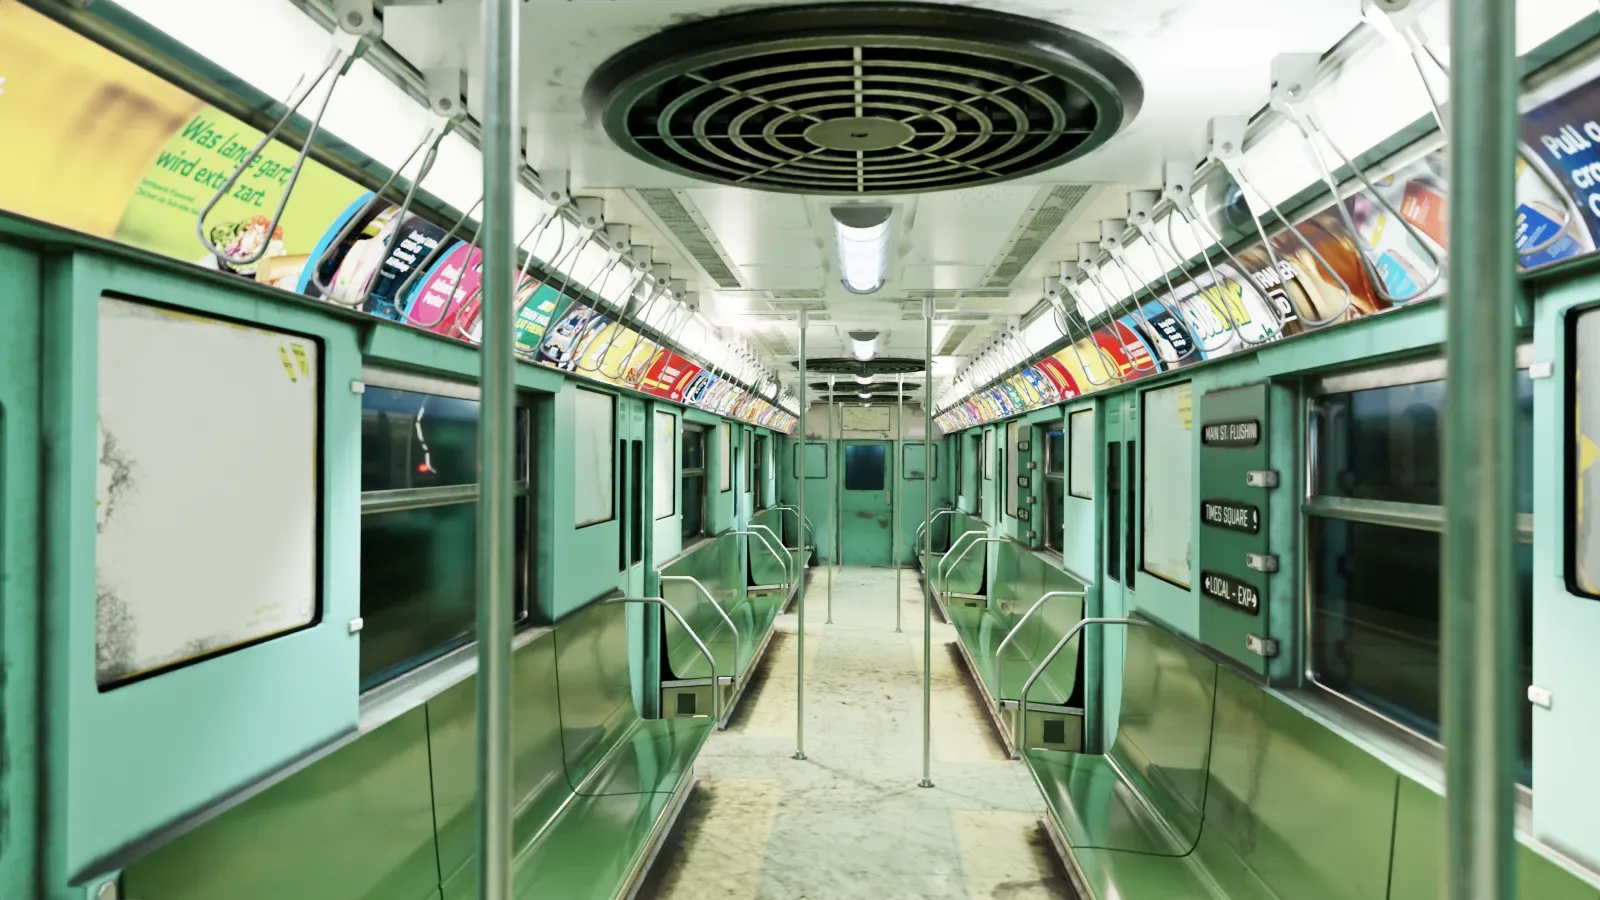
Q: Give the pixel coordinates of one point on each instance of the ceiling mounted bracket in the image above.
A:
(555, 185)
(358, 17)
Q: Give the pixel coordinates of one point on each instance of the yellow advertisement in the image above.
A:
(114, 151)
(617, 355)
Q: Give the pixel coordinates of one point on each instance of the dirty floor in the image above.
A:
(850, 821)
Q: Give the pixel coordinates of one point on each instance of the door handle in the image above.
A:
(888, 497)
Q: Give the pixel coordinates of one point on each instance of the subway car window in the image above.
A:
(911, 467)
(761, 452)
(1374, 530)
(1080, 474)
(725, 468)
(1054, 489)
(694, 480)
(1013, 456)
(1583, 477)
(663, 484)
(593, 447)
(419, 527)
(1166, 471)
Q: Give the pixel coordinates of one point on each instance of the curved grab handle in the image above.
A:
(339, 57)
(1022, 699)
(315, 278)
(944, 563)
(444, 244)
(944, 576)
(1216, 280)
(793, 568)
(805, 522)
(716, 695)
(781, 560)
(998, 652)
(738, 639)
(937, 514)
(1130, 276)
(1064, 320)
(1093, 274)
(618, 323)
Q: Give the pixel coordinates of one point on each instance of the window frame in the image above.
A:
(1384, 513)
(1090, 476)
(685, 429)
(1046, 429)
(677, 457)
(798, 445)
(905, 468)
(610, 444)
(1142, 494)
(375, 503)
(725, 444)
(1569, 455)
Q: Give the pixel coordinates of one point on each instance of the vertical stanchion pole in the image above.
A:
(899, 443)
(497, 450)
(800, 597)
(1480, 615)
(833, 501)
(927, 545)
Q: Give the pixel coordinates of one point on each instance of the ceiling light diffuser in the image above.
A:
(863, 346)
(861, 237)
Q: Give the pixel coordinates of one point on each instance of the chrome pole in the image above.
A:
(497, 450)
(800, 597)
(1480, 623)
(899, 442)
(833, 501)
(927, 513)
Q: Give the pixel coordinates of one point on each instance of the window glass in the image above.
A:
(694, 480)
(762, 449)
(1114, 510)
(594, 464)
(419, 584)
(1387, 443)
(1080, 477)
(664, 482)
(748, 462)
(911, 461)
(988, 454)
(1167, 523)
(863, 467)
(816, 459)
(1054, 524)
(1055, 462)
(414, 440)
(1375, 585)
(1375, 627)
(1013, 457)
(725, 445)
(1583, 476)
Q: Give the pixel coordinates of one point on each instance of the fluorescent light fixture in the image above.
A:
(863, 346)
(862, 379)
(861, 237)
(864, 395)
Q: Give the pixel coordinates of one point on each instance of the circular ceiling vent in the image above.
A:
(850, 386)
(863, 98)
(846, 365)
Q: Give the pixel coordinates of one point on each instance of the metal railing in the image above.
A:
(716, 695)
(945, 564)
(938, 514)
(1022, 698)
(1000, 650)
(791, 565)
(805, 524)
(738, 639)
(782, 561)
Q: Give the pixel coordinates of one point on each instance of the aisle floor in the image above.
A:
(850, 821)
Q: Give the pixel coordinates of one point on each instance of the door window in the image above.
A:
(864, 467)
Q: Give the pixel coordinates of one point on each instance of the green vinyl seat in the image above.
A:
(1218, 789)
(1147, 794)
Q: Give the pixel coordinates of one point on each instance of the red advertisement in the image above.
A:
(668, 375)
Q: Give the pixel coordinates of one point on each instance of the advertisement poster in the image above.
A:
(92, 142)
(1563, 136)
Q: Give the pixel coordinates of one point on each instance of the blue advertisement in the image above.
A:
(1563, 137)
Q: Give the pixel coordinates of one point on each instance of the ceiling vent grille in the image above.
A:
(1026, 245)
(953, 339)
(863, 97)
(671, 210)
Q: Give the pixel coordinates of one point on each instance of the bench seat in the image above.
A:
(981, 630)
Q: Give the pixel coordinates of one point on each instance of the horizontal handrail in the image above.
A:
(1022, 699)
(716, 694)
(937, 514)
(999, 651)
(765, 543)
(953, 545)
(945, 565)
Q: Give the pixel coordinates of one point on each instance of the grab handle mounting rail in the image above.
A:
(716, 695)
(1022, 698)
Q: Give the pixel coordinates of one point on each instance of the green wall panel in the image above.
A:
(356, 825)
(1233, 522)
